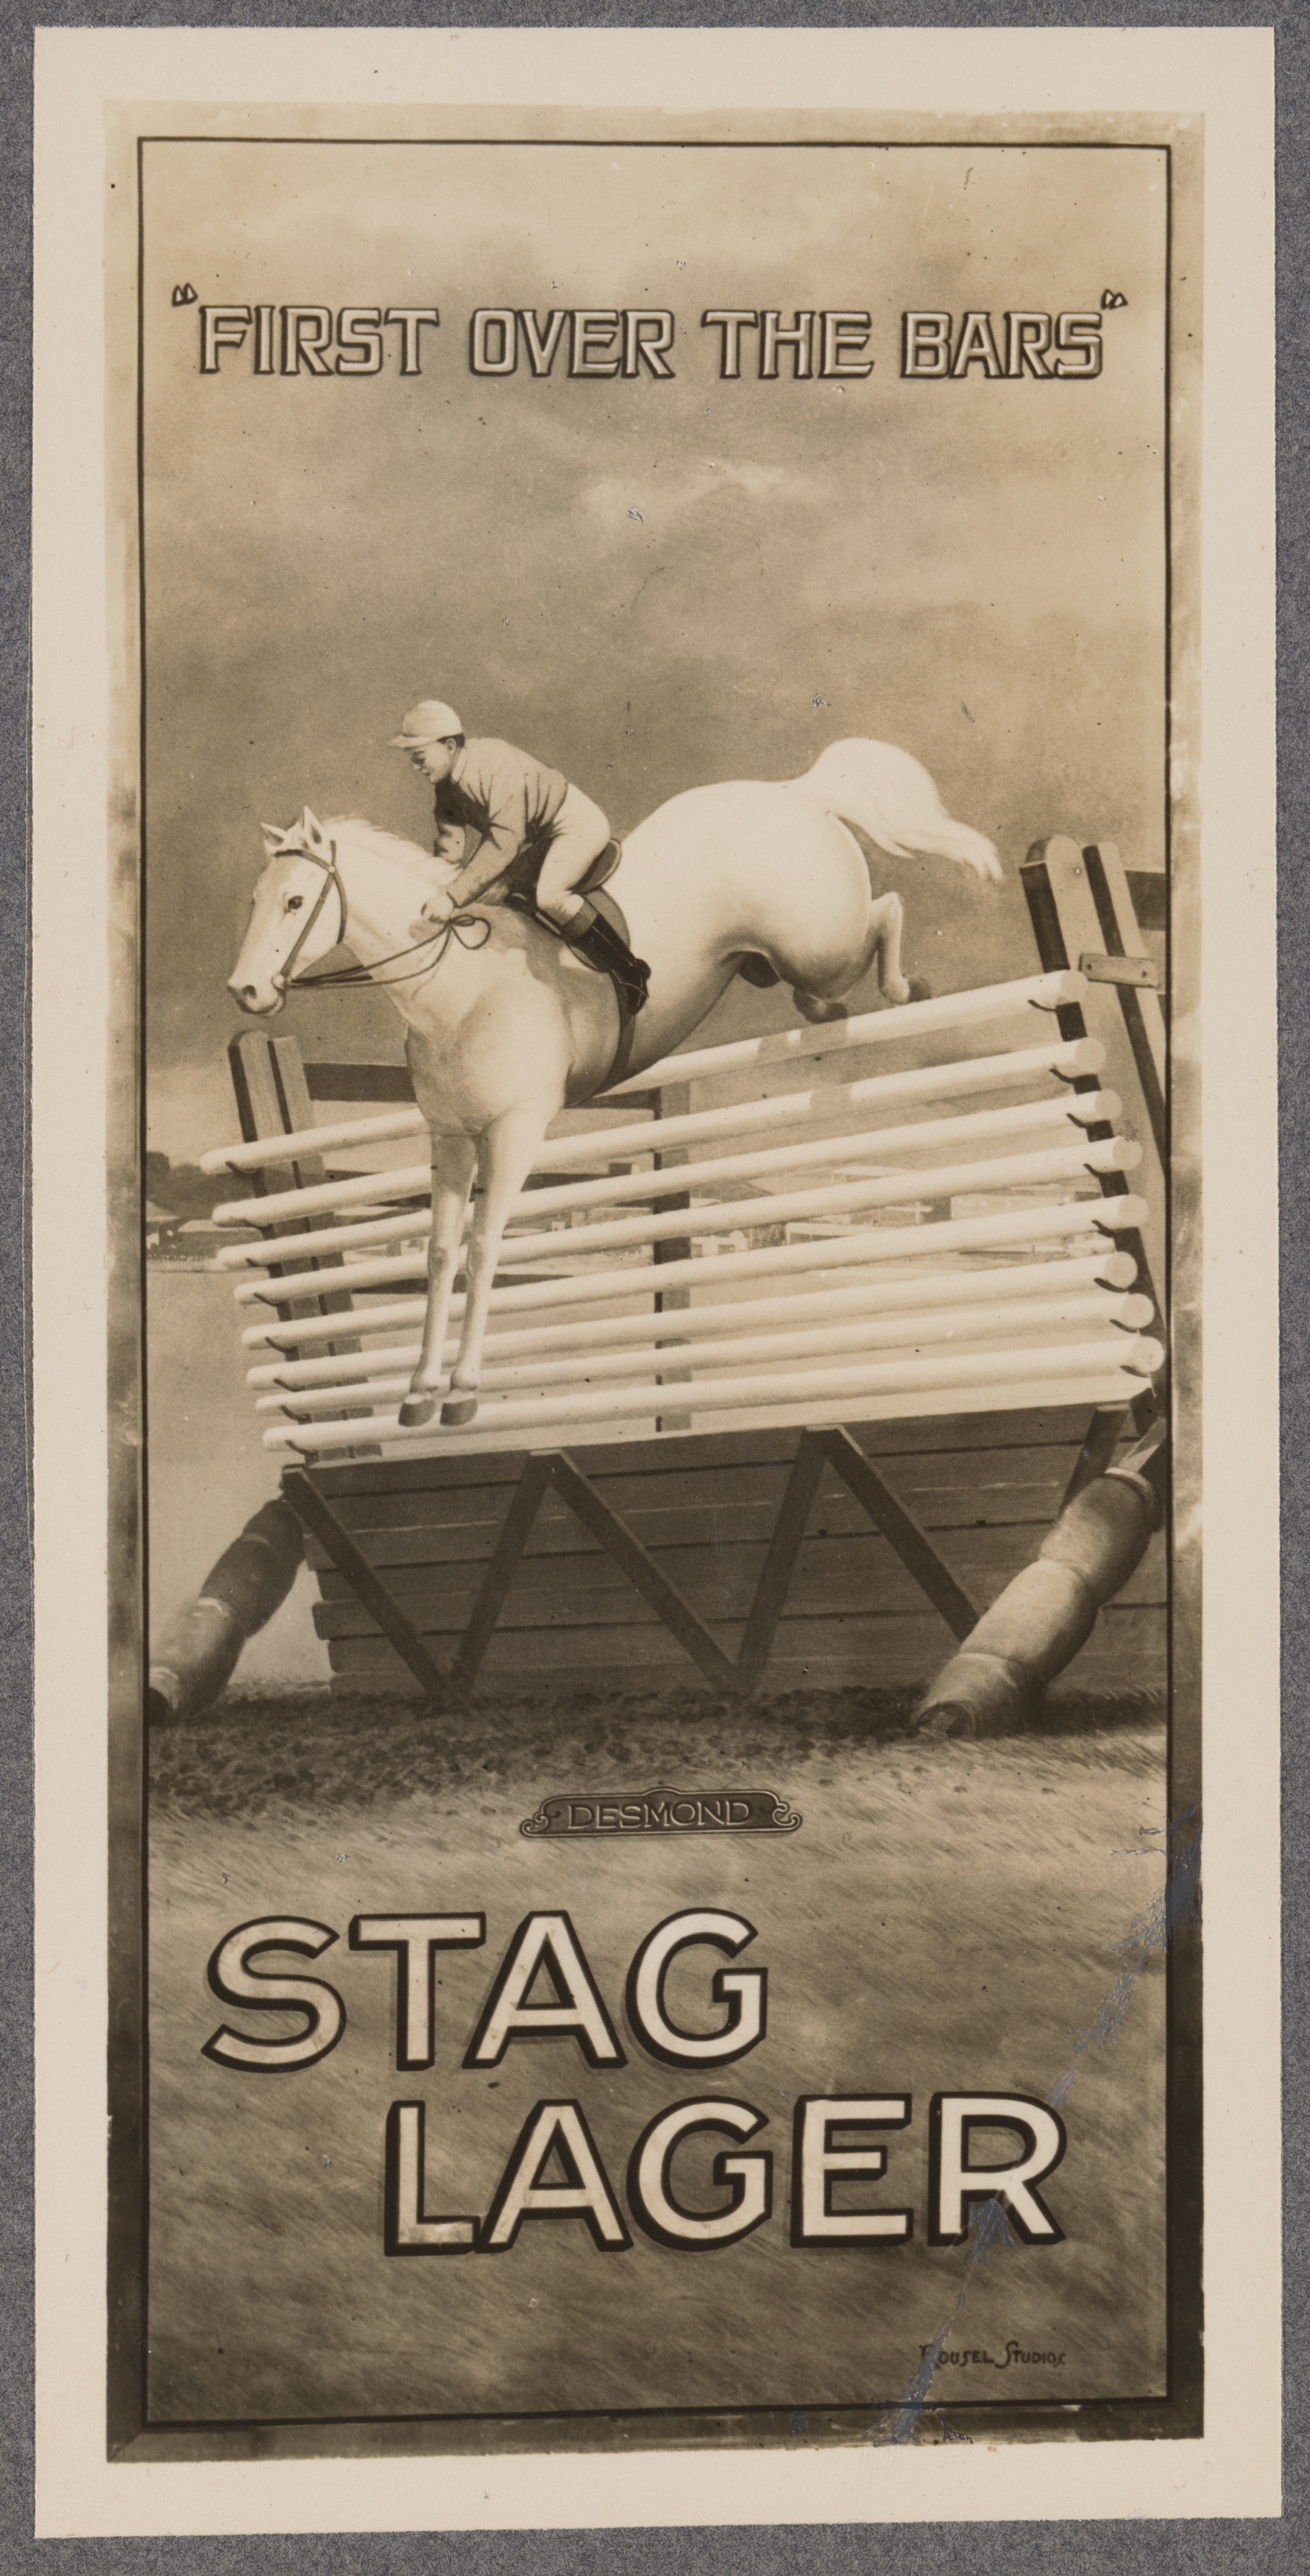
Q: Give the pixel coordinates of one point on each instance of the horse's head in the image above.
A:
(297, 914)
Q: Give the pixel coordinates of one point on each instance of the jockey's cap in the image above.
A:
(430, 721)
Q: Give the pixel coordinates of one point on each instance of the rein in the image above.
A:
(459, 926)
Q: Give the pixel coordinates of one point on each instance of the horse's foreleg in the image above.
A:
(453, 1160)
(505, 1158)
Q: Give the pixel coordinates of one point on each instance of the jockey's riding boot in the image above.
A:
(597, 940)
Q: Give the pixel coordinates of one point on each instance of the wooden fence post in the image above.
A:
(1083, 917)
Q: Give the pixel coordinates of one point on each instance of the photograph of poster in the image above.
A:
(655, 1684)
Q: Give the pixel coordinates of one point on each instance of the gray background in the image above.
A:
(841, 2549)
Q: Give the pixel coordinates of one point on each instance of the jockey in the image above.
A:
(538, 837)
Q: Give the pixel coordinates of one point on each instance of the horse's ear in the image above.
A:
(311, 831)
(273, 837)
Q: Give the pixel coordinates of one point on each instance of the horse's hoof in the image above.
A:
(920, 991)
(457, 1410)
(416, 1410)
(818, 1012)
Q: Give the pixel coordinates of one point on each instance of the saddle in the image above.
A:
(603, 939)
(601, 870)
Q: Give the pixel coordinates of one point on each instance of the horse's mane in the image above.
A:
(388, 845)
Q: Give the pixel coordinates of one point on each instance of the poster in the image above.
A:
(652, 1861)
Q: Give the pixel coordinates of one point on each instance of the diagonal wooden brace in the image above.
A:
(561, 1471)
(515, 1531)
(912, 1544)
(643, 1572)
(349, 1560)
(558, 1469)
(780, 1563)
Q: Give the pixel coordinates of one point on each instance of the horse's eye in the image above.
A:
(294, 902)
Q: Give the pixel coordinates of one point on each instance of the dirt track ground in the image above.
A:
(944, 1920)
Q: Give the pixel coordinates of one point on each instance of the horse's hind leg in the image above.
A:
(882, 941)
(505, 1157)
(887, 921)
(453, 1159)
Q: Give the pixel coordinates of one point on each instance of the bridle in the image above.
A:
(331, 878)
(457, 927)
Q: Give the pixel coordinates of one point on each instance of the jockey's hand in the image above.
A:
(437, 907)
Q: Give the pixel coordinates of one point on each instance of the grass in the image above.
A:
(253, 1752)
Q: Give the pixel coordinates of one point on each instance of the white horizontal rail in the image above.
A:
(808, 1340)
(1011, 1171)
(861, 1247)
(1070, 1057)
(1127, 1356)
(408, 1181)
(870, 1028)
(1061, 1110)
(1038, 1392)
(1113, 1271)
(1067, 1060)
(342, 1135)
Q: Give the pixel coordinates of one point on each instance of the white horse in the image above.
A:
(506, 1026)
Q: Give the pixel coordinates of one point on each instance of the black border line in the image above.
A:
(660, 2420)
(143, 2353)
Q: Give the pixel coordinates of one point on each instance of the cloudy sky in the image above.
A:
(650, 584)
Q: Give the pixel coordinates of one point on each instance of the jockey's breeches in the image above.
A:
(578, 835)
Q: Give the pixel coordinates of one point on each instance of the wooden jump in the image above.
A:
(786, 1258)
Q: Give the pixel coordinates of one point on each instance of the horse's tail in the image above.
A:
(890, 795)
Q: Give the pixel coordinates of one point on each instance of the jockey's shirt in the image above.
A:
(507, 797)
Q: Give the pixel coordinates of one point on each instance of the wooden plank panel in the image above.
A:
(989, 1506)
(951, 1474)
(1026, 1507)
(1043, 1427)
(842, 1579)
(415, 1475)
(558, 1534)
(438, 1613)
(407, 1531)
(674, 1453)
(1019, 1426)
(566, 1577)
(719, 1487)
(1126, 1651)
(470, 1507)
(610, 1457)
(920, 1643)
(722, 1486)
